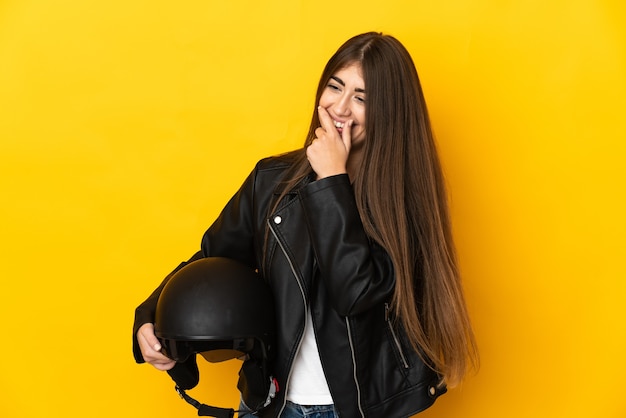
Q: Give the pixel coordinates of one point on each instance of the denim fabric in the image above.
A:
(293, 410)
(244, 411)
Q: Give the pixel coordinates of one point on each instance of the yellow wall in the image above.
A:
(126, 125)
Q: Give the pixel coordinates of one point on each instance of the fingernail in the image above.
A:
(157, 347)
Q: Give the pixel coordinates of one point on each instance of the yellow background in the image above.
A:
(126, 125)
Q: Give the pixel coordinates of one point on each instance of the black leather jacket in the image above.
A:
(317, 256)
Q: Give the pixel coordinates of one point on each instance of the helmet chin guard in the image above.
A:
(220, 309)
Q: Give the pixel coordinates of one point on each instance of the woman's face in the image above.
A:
(344, 99)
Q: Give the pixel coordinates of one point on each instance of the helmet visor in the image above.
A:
(212, 351)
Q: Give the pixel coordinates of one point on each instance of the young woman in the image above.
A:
(352, 233)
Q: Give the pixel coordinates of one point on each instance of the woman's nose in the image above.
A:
(342, 106)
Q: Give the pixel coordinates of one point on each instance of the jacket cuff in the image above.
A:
(332, 181)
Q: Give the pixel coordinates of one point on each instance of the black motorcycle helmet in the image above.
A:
(220, 309)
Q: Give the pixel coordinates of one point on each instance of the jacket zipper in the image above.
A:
(356, 379)
(293, 271)
(395, 336)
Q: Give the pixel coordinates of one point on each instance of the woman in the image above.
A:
(352, 233)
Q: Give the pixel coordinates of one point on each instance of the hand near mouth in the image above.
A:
(329, 151)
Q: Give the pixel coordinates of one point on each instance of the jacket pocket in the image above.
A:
(395, 339)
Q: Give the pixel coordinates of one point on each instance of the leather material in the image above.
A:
(319, 256)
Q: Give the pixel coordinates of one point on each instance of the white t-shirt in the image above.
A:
(308, 384)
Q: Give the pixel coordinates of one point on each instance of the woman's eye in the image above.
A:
(360, 99)
(333, 87)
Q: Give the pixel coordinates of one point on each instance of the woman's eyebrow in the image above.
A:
(340, 81)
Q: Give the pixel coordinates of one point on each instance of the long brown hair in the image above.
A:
(402, 201)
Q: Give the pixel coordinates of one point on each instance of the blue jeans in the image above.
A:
(293, 410)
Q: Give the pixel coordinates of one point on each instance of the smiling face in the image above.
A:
(344, 99)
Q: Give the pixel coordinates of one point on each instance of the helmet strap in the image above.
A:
(206, 410)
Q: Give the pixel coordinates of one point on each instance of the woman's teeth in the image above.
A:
(338, 124)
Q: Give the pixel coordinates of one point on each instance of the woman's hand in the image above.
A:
(151, 348)
(329, 151)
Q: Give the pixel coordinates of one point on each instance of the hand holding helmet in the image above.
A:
(151, 348)
(220, 309)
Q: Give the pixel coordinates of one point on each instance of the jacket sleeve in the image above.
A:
(231, 235)
(357, 272)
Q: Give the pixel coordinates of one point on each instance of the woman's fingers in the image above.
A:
(151, 348)
(328, 153)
